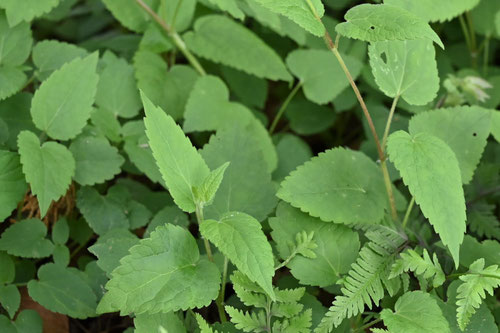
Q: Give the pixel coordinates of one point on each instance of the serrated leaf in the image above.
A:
(50, 55)
(415, 312)
(130, 14)
(26, 321)
(62, 104)
(48, 168)
(167, 268)
(26, 10)
(299, 12)
(16, 40)
(96, 160)
(206, 191)
(376, 23)
(203, 325)
(180, 164)
(26, 239)
(169, 322)
(224, 41)
(432, 11)
(246, 321)
(430, 170)
(406, 68)
(7, 268)
(230, 7)
(240, 237)
(339, 185)
(466, 132)
(13, 80)
(338, 246)
(12, 183)
(10, 299)
(63, 290)
(320, 73)
(107, 123)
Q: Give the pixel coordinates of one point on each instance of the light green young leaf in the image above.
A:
(96, 160)
(339, 185)
(130, 14)
(435, 11)
(180, 164)
(7, 268)
(205, 193)
(26, 10)
(63, 290)
(16, 41)
(26, 321)
(430, 170)
(222, 40)
(406, 68)
(50, 55)
(240, 237)
(415, 312)
(62, 104)
(162, 273)
(376, 23)
(152, 323)
(48, 168)
(299, 12)
(466, 132)
(12, 183)
(320, 73)
(26, 239)
(10, 299)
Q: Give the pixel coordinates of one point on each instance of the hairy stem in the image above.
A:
(283, 107)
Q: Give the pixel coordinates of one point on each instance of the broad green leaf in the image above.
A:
(339, 185)
(240, 238)
(249, 89)
(16, 41)
(299, 12)
(338, 246)
(26, 10)
(13, 80)
(96, 160)
(180, 164)
(435, 11)
(63, 290)
(406, 68)
(247, 185)
(431, 171)
(209, 109)
(12, 183)
(50, 55)
(471, 249)
(48, 168)
(415, 312)
(26, 321)
(15, 112)
(60, 231)
(7, 268)
(465, 129)
(220, 39)
(102, 213)
(130, 14)
(62, 104)
(376, 23)
(117, 91)
(26, 239)
(308, 118)
(152, 323)
(177, 13)
(10, 299)
(292, 151)
(206, 191)
(169, 214)
(229, 6)
(162, 273)
(320, 73)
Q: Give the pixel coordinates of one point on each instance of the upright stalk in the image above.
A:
(284, 106)
(389, 122)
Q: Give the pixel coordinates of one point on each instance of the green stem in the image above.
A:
(486, 55)
(200, 218)
(408, 211)
(179, 43)
(370, 324)
(465, 31)
(451, 276)
(283, 107)
(268, 315)
(220, 298)
(389, 122)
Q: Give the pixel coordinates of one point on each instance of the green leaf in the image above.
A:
(117, 91)
(62, 104)
(339, 185)
(338, 246)
(162, 273)
(7, 268)
(484, 15)
(240, 237)
(10, 299)
(180, 164)
(250, 90)
(432, 11)
(177, 13)
(430, 170)
(15, 112)
(107, 123)
(13, 80)
(169, 322)
(26, 321)
(230, 7)
(61, 255)
(299, 12)
(376, 23)
(50, 55)
(406, 68)
(48, 168)
(140, 154)
(424, 266)
(205, 193)
(224, 41)
(203, 325)
(466, 132)
(169, 214)
(292, 151)
(12, 183)
(415, 312)
(317, 119)
(26, 239)
(26, 10)
(63, 290)
(320, 73)
(246, 321)
(96, 160)
(130, 14)
(16, 40)
(102, 213)
(60, 231)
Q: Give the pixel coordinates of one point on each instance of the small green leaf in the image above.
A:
(130, 14)
(435, 11)
(162, 273)
(26, 10)
(7, 268)
(61, 255)
(149, 323)
(26, 321)
(13, 80)
(50, 55)
(180, 164)
(230, 7)
(15, 112)
(26, 239)
(12, 183)
(62, 104)
(430, 170)
(48, 169)
(205, 193)
(60, 231)
(10, 299)
(240, 237)
(16, 41)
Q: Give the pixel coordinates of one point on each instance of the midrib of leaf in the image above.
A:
(60, 291)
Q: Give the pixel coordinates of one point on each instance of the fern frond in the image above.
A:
(483, 222)
(203, 325)
(286, 310)
(298, 324)
(304, 245)
(364, 283)
(289, 295)
(471, 292)
(411, 261)
(246, 321)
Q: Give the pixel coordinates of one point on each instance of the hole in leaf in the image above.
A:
(383, 56)
(372, 27)
(474, 134)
